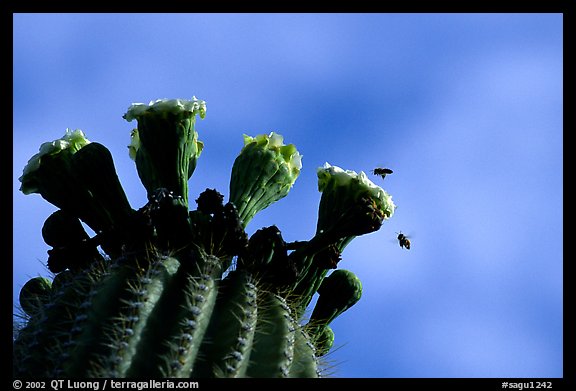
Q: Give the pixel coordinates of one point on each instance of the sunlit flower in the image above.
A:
(79, 177)
(67, 145)
(165, 145)
(351, 204)
(263, 173)
(174, 106)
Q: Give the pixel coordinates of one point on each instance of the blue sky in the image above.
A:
(465, 108)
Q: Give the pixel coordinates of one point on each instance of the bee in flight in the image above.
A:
(403, 241)
(382, 172)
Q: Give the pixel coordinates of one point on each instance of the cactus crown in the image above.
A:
(164, 290)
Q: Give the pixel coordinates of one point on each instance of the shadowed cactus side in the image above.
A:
(170, 291)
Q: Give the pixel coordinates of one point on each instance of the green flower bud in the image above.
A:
(72, 247)
(169, 216)
(338, 292)
(227, 225)
(34, 294)
(263, 173)
(323, 339)
(61, 280)
(267, 257)
(210, 201)
(62, 229)
(216, 228)
(165, 145)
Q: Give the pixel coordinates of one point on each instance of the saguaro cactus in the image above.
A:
(170, 291)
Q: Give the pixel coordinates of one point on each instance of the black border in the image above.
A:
(297, 6)
(566, 7)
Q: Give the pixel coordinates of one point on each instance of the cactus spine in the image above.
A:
(164, 291)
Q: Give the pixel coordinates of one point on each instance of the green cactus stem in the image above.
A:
(305, 363)
(165, 291)
(228, 345)
(273, 349)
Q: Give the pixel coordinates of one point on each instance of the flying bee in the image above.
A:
(403, 241)
(381, 172)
